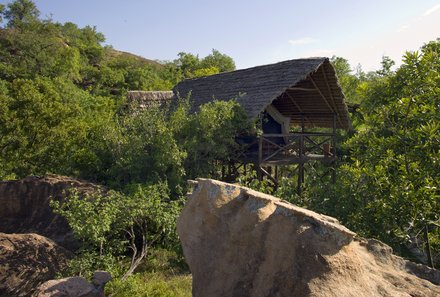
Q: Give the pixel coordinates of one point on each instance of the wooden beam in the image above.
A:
(331, 95)
(301, 89)
(299, 108)
(325, 99)
(322, 95)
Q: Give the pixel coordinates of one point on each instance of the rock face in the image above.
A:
(75, 286)
(27, 260)
(239, 242)
(25, 206)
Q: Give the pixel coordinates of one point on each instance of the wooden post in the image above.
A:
(302, 123)
(428, 247)
(276, 177)
(300, 177)
(260, 158)
(334, 135)
(334, 150)
(300, 154)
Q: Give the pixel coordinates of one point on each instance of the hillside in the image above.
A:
(115, 54)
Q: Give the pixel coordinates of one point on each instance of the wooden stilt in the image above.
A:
(334, 149)
(260, 159)
(300, 178)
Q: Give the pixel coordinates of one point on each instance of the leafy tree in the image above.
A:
(187, 63)
(218, 60)
(108, 225)
(44, 123)
(387, 64)
(147, 151)
(209, 135)
(191, 66)
(351, 84)
(21, 12)
(2, 9)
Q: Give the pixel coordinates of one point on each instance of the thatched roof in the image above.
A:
(140, 100)
(305, 88)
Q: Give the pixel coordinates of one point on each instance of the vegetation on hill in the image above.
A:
(61, 93)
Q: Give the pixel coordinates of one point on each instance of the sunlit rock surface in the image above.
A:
(239, 242)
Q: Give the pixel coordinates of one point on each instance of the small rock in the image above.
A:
(75, 286)
(100, 278)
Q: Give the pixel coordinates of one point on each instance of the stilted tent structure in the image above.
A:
(290, 99)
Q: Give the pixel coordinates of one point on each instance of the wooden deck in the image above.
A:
(292, 148)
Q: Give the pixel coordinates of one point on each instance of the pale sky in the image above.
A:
(256, 32)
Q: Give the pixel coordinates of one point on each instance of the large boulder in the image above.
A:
(239, 242)
(25, 206)
(27, 260)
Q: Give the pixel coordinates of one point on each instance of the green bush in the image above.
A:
(113, 227)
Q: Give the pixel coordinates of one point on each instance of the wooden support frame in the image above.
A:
(301, 89)
(324, 98)
(299, 108)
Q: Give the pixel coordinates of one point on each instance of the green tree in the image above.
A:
(209, 135)
(191, 66)
(387, 64)
(187, 63)
(44, 125)
(218, 60)
(2, 9)
(110, 224)
(351, 84)
(21, 12)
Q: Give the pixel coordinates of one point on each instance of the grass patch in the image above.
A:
(151, 284)
(163, 274)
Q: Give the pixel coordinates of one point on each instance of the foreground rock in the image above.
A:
(240, 242)
(25, 206)
(75, 286)
(27, 260)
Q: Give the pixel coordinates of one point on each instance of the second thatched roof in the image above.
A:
(140, 100)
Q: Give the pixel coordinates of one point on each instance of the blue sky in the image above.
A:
(259, 31)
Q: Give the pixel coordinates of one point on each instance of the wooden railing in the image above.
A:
(298, 147)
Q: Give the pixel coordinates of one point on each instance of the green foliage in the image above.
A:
(209, 135)
(36, 115)
(110, 224)
(351, 84)
(191, 66)
(21, 12)
(2, 9)
(144, 150)
(218, 60)
(60, 94)
(390, 187)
